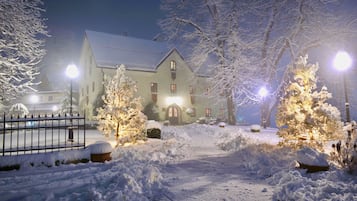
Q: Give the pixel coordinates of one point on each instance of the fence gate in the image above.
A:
(39, 134)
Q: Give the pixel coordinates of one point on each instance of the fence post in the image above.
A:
(70, 129)
(3, 137)
(84, 128)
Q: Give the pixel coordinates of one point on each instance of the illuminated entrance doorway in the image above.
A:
(173, 114)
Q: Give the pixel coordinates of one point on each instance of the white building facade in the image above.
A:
(163, 77)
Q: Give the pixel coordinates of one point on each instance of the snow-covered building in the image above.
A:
(163, 77)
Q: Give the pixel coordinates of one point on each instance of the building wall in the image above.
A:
(91, 87)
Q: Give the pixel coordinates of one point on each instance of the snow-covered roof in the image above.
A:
(110, 50)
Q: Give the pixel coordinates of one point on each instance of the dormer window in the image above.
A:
(173, 69)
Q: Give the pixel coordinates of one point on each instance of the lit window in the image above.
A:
(173, 88)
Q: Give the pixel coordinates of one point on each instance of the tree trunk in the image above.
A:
(231, 111)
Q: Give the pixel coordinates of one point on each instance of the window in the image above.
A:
(207, 91)
(173, 65)
(173, 69)
(50, 98)
(87, 100)
(154, 92)
(82, 91)
(208, 112)
(93, 86)
(87, 89)
(191, 95)
(153, 87)
(173, 88)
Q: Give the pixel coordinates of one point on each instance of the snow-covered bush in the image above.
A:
(345, 154)
(121, 114)
(18, 109)
(304, 118)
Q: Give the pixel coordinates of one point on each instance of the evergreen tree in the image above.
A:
(304, 117)
(121, 114)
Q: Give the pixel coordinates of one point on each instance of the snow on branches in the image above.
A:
(304, 117)
(22, 33)
(121, 114)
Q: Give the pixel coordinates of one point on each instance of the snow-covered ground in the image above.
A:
(192, 162)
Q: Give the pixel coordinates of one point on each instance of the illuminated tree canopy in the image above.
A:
(304, 117)
(121, 114)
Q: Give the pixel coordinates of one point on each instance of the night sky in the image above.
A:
(67, 20)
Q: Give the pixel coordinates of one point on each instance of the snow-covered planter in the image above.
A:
(153, 129)
(312, 160)
(221, 124)
(100, 151)
(201, 120)
(255, 128)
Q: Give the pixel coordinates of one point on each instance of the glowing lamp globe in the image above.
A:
(342, 61)
(72, 71)
(263, 92)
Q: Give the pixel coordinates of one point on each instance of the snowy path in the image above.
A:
(211, 174)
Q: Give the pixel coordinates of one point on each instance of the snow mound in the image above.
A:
(231, 141)
(330, 185)
(255, 128)
(44, 159)
(100, 147)
(262, 161)
(150, 124)
(311, 156)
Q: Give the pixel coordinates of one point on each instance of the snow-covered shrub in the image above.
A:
(19, 109)
(345, 154)
(121, 114)
(304, 118)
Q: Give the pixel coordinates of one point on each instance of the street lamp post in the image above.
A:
(34, 100)
(263, 92)
(343, 62)
(71, 72)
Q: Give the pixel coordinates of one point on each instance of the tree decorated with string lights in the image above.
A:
(121, 114)
(304, 118)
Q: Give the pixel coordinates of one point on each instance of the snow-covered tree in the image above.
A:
(121, 114)
(22, 33)
(220, 45)
(19, 109)
(304, 117)
(244, 43)
(293, 28)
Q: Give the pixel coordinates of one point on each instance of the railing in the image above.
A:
(38, 134)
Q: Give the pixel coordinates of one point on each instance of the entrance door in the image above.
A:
(173, 114)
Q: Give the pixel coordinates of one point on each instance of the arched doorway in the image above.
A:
(173, 114)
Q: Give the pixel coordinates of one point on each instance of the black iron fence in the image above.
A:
(38, 134)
